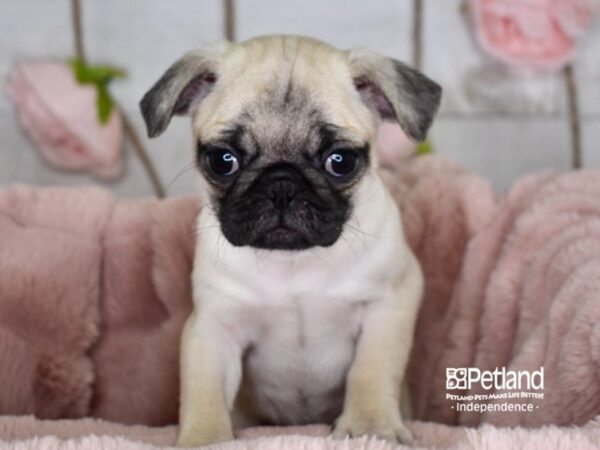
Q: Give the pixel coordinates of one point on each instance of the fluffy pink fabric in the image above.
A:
(94, 292)
(146, 297)
(60, 117)
(511, 282)
(27, 433)
(532, 33)
(50, 285)
(93, 295)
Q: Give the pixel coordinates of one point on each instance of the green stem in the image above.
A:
(128, 127)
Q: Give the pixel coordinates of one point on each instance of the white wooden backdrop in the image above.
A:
(525, 128)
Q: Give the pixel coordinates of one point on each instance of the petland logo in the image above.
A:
(465, 378)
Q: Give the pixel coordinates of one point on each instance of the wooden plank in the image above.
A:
(503, 149)
(587, 71)
(146, 37)
(33, 29)
(380, 25)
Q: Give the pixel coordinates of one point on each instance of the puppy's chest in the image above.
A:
(299, 359)
(298, 320)
(304, 324)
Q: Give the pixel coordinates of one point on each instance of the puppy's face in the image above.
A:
(284, 128)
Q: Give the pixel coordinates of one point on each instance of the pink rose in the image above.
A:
(60, 117)
(534, 33)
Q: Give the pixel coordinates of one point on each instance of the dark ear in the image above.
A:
(181, 88)
(396, 91)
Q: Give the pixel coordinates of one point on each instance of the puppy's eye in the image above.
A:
(222, 162)
(340, 163)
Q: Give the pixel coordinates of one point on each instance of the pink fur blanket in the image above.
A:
(94, 292)
(27, 433)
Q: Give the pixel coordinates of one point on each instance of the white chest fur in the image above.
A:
(296, 315)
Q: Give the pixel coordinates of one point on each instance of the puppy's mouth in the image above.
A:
(282, 237)
(280, 231)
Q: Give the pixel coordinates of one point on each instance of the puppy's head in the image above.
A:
(284, 127)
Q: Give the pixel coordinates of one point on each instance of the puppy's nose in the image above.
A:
(282, 185)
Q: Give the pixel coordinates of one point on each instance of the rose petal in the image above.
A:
(60, 116)
(531, 33)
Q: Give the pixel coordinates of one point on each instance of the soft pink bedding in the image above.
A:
(27, 433)
(94, 292)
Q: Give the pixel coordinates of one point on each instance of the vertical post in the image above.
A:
(229, 20)
(574, 117)
(77, 34)
(417, 34)
(128, 127)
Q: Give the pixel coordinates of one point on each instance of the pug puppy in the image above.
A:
(305, 291)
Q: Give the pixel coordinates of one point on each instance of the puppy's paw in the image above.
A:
(390, 429)
(198, 438)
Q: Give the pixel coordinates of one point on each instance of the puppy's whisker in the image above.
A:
(360, 238)
(366, 200)
(200, 230)
(314, 253)
(348, 244)
(220, 245)
(189, 166)
(357, 229)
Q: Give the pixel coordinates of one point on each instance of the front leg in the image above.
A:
(373, 388)
(210, 377)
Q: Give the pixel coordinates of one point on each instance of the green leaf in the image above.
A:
(106, 73)
(104, 103)
(94, 74)
(99, 76)
(424, 148)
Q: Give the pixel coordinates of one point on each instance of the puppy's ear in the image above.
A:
(182, 87)
(396, 91)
